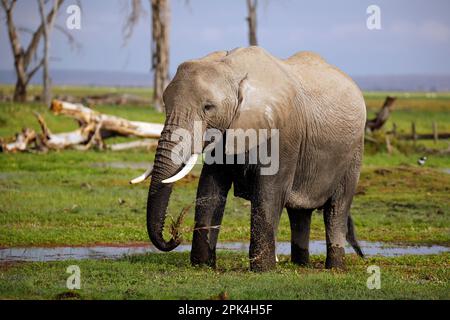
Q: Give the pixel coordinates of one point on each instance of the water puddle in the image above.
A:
(112, 252)
(122, 165)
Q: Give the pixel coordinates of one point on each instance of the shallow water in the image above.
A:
(122, 165)
(116, 252)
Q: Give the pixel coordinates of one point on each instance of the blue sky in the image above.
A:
(414, 39)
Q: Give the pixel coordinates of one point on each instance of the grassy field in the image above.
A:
(83, 198)
(169, 276)
(70, 198)
(80, 91)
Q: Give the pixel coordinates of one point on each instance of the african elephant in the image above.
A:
(320, 115)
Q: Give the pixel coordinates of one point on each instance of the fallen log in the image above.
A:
(94, 128)
(117, 125)
(382, 115)
(58, 141)
(23, 140)
(423, 136)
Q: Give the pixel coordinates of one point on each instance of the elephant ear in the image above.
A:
(256, 110)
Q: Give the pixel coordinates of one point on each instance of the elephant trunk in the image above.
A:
(159, 192)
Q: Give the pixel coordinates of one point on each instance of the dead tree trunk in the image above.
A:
(22, 56)
(20, 90)
(47, 27)
(108, 123)
(382, 116)
(251, 19)
(160, 49)
(21, 142)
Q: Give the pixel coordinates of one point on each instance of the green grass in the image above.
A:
(80, 91)
(67, 198)
(428, 101)
(170, 276)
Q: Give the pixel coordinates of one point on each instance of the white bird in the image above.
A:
(421, 161)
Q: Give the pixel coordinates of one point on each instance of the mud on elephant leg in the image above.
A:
(335, 216)
(212, 193)
(300, 220)
(264, 217)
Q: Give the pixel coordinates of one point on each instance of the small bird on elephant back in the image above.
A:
(308, 118)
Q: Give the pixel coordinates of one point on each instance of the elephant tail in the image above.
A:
(351, 237)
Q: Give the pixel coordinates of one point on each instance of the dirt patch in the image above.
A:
(6, 265)
(221, 296)
(383, 172)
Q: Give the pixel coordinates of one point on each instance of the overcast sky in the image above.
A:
(414, 39)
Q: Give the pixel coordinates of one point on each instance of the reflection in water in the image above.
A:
(111, 252)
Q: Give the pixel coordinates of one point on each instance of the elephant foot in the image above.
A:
(208, 259)
(262, 262)
(262, 266)
(202, 254)
(335, 258)
(299, 255)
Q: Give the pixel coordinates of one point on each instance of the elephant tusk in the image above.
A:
(143, 176)
(188, 167)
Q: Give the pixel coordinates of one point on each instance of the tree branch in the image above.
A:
(34, 70)
(11, 5)
(38, 34)
(74, 44)
(137, 11)
(12, 30)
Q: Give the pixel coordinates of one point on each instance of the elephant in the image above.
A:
(320, 116)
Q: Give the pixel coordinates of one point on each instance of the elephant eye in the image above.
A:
(208, 107)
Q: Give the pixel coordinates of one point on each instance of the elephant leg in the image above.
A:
(266, 212)
(300, 220)
(262, 238)
(335, 214)
(276, 223)
(213, 187)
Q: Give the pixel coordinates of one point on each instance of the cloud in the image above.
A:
(212, 34)
(349, 30)
(431, 31)
(435, 31)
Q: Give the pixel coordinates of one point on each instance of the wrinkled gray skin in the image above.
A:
(320, 113)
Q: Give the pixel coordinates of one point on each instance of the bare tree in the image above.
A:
(160, 49)
(23, 57)
(159, 43)
(48, 26)
(251, 19)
